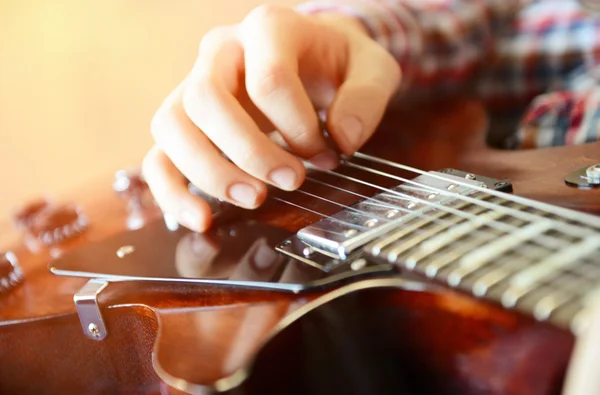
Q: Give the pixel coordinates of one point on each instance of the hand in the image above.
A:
(273, 71)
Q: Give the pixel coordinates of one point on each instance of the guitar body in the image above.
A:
(382, 334)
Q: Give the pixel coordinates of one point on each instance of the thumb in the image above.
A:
(372, 78)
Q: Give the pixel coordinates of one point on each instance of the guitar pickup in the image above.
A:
(357, 225)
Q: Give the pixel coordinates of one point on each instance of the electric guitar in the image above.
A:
(425, 264)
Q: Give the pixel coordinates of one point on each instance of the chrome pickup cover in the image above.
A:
(353, 227)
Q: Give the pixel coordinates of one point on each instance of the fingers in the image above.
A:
(170, 191)
(271, 48)
(196, 157)
(371, 80)
(209, 101)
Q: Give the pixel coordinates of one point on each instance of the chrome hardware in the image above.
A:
(352, 228)
(391, 213)
(94, 330)
(470, 176)
(125, 250)
(307, 251)
(86, 303)
(593, 173)
(371, 223)
(295, 248)
(587, 177)
(10, 272)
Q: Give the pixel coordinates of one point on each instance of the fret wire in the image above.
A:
(475, 259)
(529, 278)
(433, 268)
(577, 216)
(393, 254)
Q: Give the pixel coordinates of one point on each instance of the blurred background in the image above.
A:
(80, 81)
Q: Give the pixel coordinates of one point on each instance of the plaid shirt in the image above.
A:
(535, 54)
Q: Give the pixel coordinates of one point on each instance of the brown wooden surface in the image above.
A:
(42, 341)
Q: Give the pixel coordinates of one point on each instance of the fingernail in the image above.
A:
(352, 128)
(327, 160)
(265, 257)
(244, 194)
(189, 219)
(284, 177)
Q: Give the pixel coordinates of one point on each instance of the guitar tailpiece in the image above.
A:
(86, 303)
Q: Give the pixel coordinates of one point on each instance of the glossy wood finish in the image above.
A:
(445, 341)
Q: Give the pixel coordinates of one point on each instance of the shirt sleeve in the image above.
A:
(440, 44)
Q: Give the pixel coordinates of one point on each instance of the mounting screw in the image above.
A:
(307, 251)
(470, 176)
(500, 184)
(94, 330)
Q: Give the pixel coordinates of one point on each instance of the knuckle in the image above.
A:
(263, 14)
(267, 82)
(214, 37)
(148, 164)
(199, 94)
(302, 136)
(159, 123)
(248, 158)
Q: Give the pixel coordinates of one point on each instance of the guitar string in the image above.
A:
(383, 204)
(592, 220)
(431, 218)
(392, 207)
(492, 223)
(498, 225)
(576, 231)
(526, 255)
(558, 283)
(492, 206)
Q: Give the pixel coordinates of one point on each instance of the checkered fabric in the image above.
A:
(511, 53)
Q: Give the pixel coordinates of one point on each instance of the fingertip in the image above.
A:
(196, 215)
